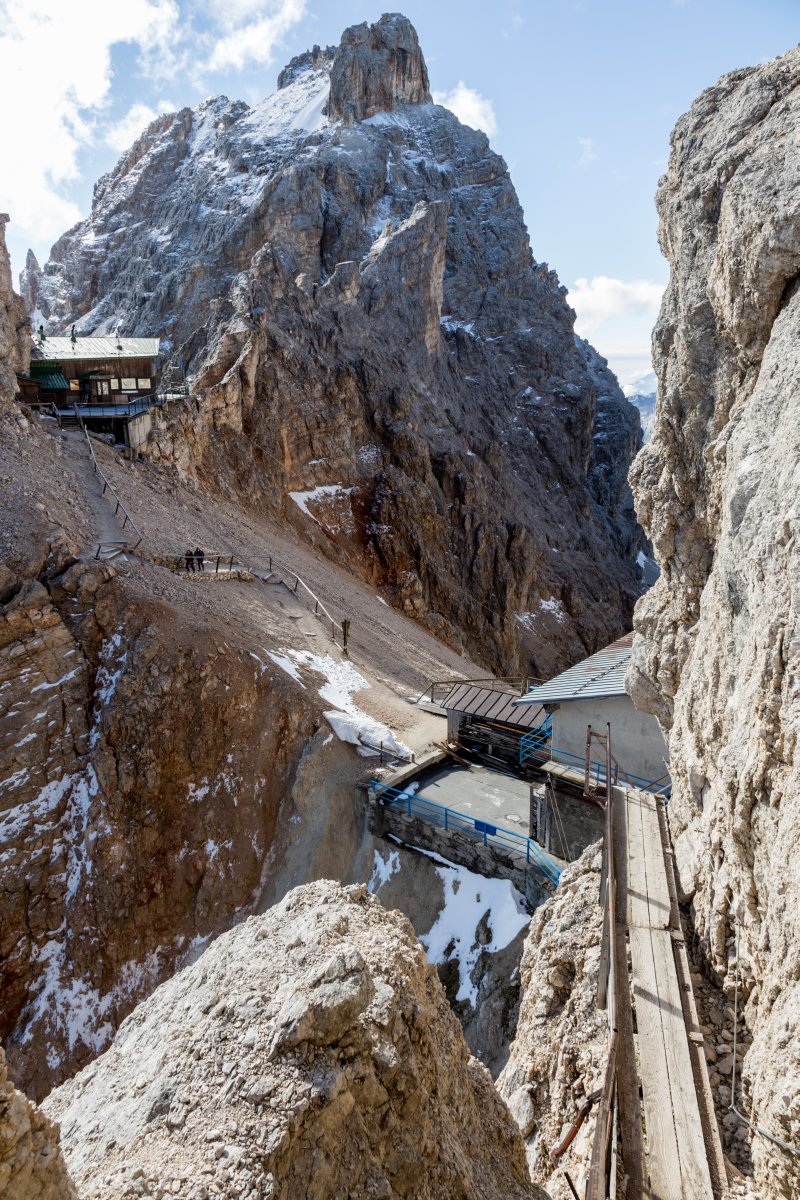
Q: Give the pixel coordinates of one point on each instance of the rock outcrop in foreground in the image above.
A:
(717, 652)
(558, 1056)
(310, 1052)
(345, 273)
(15, 344)
(32, 1166)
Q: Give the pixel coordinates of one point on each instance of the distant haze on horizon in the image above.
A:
(579, 96)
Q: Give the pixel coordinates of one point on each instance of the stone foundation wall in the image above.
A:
(457, 845)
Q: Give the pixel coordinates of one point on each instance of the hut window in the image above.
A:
(143, 384)
(129, 385)
(74, 385)
(115, 385)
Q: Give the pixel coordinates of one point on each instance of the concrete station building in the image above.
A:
(593, 693)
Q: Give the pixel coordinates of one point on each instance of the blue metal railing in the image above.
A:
(517, 844)
(536, 745)
(125, 408)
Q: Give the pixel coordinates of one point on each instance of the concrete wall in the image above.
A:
(636, 740)
(457, 846)
(564, 824)
(137, 429)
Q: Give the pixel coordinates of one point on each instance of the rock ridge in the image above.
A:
(376, 68)
(718, 639)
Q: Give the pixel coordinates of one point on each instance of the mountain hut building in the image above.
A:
(109, 382)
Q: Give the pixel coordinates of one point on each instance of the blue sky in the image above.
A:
(578, 95)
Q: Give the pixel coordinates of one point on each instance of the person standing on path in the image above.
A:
(189, 561)
(200, 556)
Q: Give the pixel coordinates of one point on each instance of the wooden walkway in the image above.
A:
(673, 1076)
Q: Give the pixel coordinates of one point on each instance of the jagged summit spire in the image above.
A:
(377, 67)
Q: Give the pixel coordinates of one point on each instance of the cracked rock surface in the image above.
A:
(717, 651)
(32, 1166)
(309, 1052)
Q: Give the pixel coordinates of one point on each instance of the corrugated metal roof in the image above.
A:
(65, 350)
(490, 705)
(603, 674)
(51, 380)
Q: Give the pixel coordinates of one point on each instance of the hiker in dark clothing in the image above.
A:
(200, 555)
(189, 561)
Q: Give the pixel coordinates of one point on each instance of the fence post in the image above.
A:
(296, 582)
(446, 811)
(408, 801)
(216, 568)
(527, 850)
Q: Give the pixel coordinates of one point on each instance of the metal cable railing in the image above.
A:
(119, 506)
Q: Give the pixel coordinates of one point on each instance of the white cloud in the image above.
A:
(250, 31)
(470, 107)
(55, 59)
(640, 382)
(617, 317)
(57, 56)
(123, 133)
(588, 153)
(602, 299)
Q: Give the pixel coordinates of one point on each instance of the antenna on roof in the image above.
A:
(72, 335)
(42, 334)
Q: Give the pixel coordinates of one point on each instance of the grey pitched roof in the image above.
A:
(603, 674)
(64, 349)
(497, 707)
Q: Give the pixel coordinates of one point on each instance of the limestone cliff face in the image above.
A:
(32, 1166)
(717, 652)
(14, 326)
(345, 272)
(377, 67)
(559, 1053)
(144, 760)
(310, 1052)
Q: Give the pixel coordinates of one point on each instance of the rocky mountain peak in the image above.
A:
(314, 59)
(307, 247)
(377, 67)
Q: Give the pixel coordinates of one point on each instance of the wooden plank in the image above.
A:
(630, 1113)
(693, 1157)
(658, 897)
(561, 772)
(649, 901)
(713, 1145)
(662, 1136)
(638, 910)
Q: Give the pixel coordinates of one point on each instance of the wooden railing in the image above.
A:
(618, 1129)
